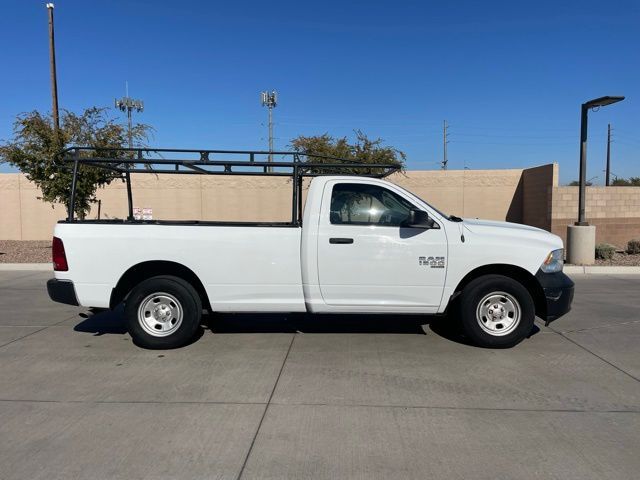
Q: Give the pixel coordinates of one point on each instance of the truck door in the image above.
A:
(366, 258)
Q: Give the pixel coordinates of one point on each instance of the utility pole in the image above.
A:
(52, 66)
(270, 100)
(128, 104)
(444, 146)
(608, 154)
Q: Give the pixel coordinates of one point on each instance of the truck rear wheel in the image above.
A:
(496, 311)
(163, 312)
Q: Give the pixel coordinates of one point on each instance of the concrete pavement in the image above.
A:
(295, 396)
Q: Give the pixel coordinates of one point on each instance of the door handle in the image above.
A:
(341, 240)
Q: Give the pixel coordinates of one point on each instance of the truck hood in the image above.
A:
(474, 223)
(512, 230)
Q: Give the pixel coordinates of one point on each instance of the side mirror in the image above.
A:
(419, 219)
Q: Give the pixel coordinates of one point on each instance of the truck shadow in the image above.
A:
(309, 323)
(101, 321)
(106, 322)
(336, 323)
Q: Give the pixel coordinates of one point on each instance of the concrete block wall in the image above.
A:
(199, 197)
(22, 214)
(537, 192)
(530, 196)
(491, 194)
(615, 211)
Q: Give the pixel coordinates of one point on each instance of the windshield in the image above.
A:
(442, 214)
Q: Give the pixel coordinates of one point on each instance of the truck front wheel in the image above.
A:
(496, 311)
(163, 312)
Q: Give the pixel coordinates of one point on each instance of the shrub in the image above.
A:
(633, 247)
(605, 251)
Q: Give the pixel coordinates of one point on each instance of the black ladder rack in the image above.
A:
(125, 161)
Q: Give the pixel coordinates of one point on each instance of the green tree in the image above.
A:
(363, 150)
(623, 182)
(576, 183)
(620, 182)
(36, 142)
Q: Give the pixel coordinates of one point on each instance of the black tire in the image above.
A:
(488, 290)
(175, 298)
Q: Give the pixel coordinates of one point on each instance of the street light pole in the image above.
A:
(581, 237)
(584, 118)
(584, 111)
(608, 154)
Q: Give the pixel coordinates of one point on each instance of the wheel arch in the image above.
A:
(153, 268)
(514, 272)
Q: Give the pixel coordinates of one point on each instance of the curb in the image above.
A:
(600, 270)
(16, 267)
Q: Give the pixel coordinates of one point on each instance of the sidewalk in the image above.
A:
(600, 270)
(34, 267)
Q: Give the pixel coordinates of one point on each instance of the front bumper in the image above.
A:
(558, 293)
(62, 291)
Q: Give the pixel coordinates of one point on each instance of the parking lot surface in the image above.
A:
(326, 397)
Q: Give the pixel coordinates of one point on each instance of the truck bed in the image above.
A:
(249, 267)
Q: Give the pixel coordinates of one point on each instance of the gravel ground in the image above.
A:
(621, 260)
(25, 251)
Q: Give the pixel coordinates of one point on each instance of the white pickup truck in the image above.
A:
(361, 245)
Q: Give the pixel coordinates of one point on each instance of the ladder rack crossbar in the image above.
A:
(125, 161)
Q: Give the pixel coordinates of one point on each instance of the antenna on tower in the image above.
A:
(270, 100)
(128, 104)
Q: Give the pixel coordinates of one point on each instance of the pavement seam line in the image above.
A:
(578, 330)
(318, 404)
(25, 336)
(128, 402)
(37, 331)
(266, 408)
(441, 407)
(596, 355)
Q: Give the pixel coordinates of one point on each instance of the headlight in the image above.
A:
(554, 261)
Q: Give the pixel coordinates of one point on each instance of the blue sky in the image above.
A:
(508, 76)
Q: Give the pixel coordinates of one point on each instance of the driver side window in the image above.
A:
(362, 204)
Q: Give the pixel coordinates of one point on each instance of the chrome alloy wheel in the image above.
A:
(498, 313)
(160, 314)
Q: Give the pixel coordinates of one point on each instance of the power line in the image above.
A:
(515, 143)
(494, 128)
(627, 132)
(627, 138)
(488, 135)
